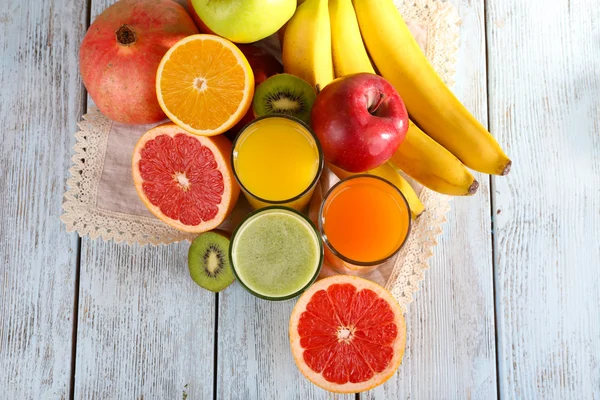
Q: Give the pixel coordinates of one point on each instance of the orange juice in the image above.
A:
(365, 220)
(277, 160)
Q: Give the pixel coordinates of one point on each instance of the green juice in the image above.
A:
(276, 253)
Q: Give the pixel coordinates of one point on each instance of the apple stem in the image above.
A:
(374, 107)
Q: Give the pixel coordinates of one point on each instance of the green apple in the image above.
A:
(243, 21)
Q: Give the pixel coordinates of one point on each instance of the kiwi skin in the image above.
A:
(284, 94)
(208, 261)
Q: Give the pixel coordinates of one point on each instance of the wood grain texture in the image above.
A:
(450, 350)
(40, 103)
(254, 357)
(145, 329)
(544, 84)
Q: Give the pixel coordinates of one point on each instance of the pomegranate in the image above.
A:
(120, 53)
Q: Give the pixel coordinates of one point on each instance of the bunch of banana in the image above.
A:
(306, 47)
(430, 164)
(349, 53)
(430, 103)
(324, 39)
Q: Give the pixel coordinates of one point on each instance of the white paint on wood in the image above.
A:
(254, 357)
(544, 64)
(450, 350)
(145, 329)
(40, 103)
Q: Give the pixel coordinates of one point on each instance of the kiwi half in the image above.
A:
(208, 261)
(284, 94)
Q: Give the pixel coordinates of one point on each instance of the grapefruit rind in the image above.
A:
(398, 345)
(220, 147)
(248, 87)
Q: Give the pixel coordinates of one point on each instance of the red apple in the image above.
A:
(360, 121)
(263, 65)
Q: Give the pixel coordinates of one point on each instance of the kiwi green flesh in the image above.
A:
(284, 94)
(208, 261)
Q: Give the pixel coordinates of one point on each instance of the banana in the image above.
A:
(388, 172)
(434, 167)
(429, 101)
(307, 44)
(349, 53)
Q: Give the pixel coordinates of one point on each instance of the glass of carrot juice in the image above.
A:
(364, 221)
(277, 160)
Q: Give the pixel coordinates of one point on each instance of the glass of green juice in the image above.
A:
(276, 253)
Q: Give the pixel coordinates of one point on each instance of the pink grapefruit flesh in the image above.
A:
(347, 334)
(184, 179)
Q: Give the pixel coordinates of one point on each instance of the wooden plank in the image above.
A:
(450, 349)
(544, 60)
(40, 102)
(145, 329)
(254, 357)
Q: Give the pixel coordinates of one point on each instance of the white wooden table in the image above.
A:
(510, 307)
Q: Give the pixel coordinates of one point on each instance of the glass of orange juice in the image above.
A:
(277, 160)
(364, 221)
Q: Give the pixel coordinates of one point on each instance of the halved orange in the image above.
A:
(204, 84)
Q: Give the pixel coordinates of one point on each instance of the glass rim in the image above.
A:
(318, 240)
(340, 255)
(305, 191)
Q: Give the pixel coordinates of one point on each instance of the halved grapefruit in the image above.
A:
(347, 334)
(184, 179)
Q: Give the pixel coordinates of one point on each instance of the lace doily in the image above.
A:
(81, 211)
(101, 201)
(441, 24)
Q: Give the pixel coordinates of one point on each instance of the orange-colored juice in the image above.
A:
(277, 160)
(365, 220)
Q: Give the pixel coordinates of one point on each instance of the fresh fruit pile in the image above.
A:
(335, 39)
(354, 83)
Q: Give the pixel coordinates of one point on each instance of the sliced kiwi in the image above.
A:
(208, 260)
(284, 94)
